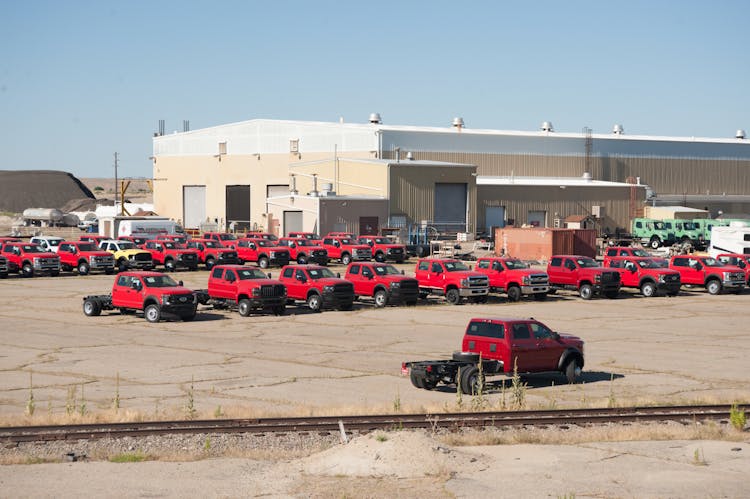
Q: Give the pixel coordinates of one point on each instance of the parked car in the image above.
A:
(452, 279)
(85, 257)
(582, 274)
(382, 282)
(245, 288)
(211, 252)
(47, 243)
(513, 277)
(709, 273)
(645, 274)
(317, 287)
(30, 259)
(265, 253)
(383, 249)
(304, 250)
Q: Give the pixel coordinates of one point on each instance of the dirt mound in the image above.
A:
(404, 454)
(23, 189)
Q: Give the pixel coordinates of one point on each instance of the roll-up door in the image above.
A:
(238, 206)
(193, 206)
(293, 222)
(450, 206)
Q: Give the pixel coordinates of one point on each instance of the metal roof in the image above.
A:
(551, 181)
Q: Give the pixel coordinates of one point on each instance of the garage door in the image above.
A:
(494, 216)
(293, 222)
(450, 207)
(193, 206)
(238, 206)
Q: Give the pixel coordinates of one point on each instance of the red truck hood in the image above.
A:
(176, 290)
(46, 254)
(526, 271)
(570, 339)
(356, 246)
(250, 283)
(329, 281)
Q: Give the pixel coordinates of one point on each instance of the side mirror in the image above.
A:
(555, 335)
(180, 283)
(338, 274)
(402, 272)
(269, 275)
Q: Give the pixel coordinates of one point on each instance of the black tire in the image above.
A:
(169, 265)
(346, 258)
(514, 293)
(612, 294)
(92, 308)
(54, 273)
(423, 296)
(572, 371)
(429, 384)
(416, 380)
(540, 296)
(465, 357)
(279, 310)
(109, 271)
(379, 257)
(381, 298)
(314, 302)
(552, 291)
(193, 268)
(655, 242)
(210, 262)
(479, 299)
(301, 259)
(648, 289)
(421, 251)
(83, 268)
(152, 313)
(713, 287)
(122, 265)
(188, 317)
(469, 380)
(263, 262)
(27, 270)
(586, 291)
(453, 297)
(243, 307)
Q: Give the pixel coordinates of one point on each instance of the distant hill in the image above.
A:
(21, 189)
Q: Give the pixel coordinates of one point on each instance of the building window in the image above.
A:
(222, 148)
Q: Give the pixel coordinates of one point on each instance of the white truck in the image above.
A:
(734, 238)
(48, 243)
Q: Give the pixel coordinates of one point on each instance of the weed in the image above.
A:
(218, 413)
(207, 444)
(381, 437)
(190, 410)
(128, 457)
(116, 401)
(30, 404)
(397, 401)
(459, 395)
(518, 388)
(82, 406)
(570, 495)
(70, 401)
(737, 417)
(611, 401)
(478, 400)
(699, 459)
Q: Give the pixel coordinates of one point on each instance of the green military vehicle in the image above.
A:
(652, 232)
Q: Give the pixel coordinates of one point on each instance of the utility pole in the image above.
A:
(115, 183)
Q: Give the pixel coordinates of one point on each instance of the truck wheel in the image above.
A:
(346, 258)
(586, 291)
(381, 298)
(379, 257)
(470, 380)
(92, 308)
(421, 251)
(122, 266)
(465, 357)
(27, 270)
(210, 262)
(243, 307)
(279, 310)
(655, 242)
(83, 268)
(514, 293)
(572, 371)
(648, 289)
(301, 259)
(453, 296)
(479, 299)
(263, 262)
(429, 384)
(193, 268)
(411, 303)
(152, 313)
(169, 266)
(540, 296)
(713, 286)
(415, 380)
(314, 302)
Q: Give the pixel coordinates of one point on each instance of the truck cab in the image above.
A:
(620, 251)
(382, 282)
(741, 261)
(708, 272)
(652, 232)
(383, 249)
(254, 234)
(30, 259)
(246, 288)
(646, 274)
(226, 239)
(452, 279)
(317, 286)
(85, 257)
(583, 274)
(304, 250)
(513, 277)
(312, 236)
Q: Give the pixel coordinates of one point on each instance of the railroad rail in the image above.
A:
(364, 424)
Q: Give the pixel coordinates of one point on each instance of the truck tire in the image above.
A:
(122, 265)
(379, 257)
(83, 268)
(572, 371)
(612, 294)
(453, 296)
(655, 242)
(465, 357)
(381, 298)
(279, 310)
(411, 303)
(27, 270)
(302, 259)
(416, 380)
(713, 286)
(210, 262)
(169, 265)
(152, 313)
(188, 317)
(314, 302)
(243, 307)
(346, 258)
(648, 289)
(514, 293)
(470, 380)
(586, 291)
(263, 262)
(421, 251)
(92, 307)
(346, 306)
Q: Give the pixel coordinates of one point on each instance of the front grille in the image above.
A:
(272, 290)
(188, 257)
(49, 263)
(282, 255)
(608, 277)
(736, 276)
(671, 278)
(538, 279)
(363, 253)
(395, 251)
(343, 291)
(181, 299)
(409, 284)
(142, 257)
(320, 253)
(3, 265)
(479, 282)
(229, 255)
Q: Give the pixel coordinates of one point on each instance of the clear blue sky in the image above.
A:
(80, 80)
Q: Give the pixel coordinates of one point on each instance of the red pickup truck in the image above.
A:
(317, 286)
(708, 272)
(254, 234)
(452, 279)
(84, 257)
(583, 274)
(263, 252)
(211, 252)
(247, 288)
(631, 251)
(154, 293)
(513, 277)
(312, 236)
(304, 250)
(738, 260)
(384, 249)
(3, 267)
(226, 239)
(646, 274)
(29, 259)
(501, 346)
(346, 249)
(383, 282)
(167, 253)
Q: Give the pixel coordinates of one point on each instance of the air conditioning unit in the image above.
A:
(597, 211)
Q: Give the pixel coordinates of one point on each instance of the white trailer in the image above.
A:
(734, 238)
(114, 227)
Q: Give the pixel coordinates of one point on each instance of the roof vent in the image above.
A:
(740, 134)
(618, 129)
(587, 176)
(547, 127)
(458, 123)
(375, 118)
(409, 156)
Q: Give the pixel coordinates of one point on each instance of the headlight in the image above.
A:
(272, 254)
(465, 283)
(256, 292)
(328, 289)
(598, 278)
(166, 299)
(395, 284)
(526, 280)
(662, 278)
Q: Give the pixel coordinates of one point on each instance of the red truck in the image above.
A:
(708, 272)
(84, 257)
(154, 293)
(346, 249)
(167, 253)
(226, 239)
(312, 236)
(254, 234)
(631, 251)
(263, 252)
(583, 274)
(29, 259)
(304, 250)
(211, 252)
(738, 260)
(513, 277)
(384, 249)
(383, 282)
(139, 241)
(502, 346)
(452, 279)
(246, 288)
(646, 274)
(3, 267)
(317, 286)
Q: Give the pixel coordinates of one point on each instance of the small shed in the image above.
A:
(579, 222)
(541, 243)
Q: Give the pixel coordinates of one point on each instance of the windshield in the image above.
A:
(649, 264)
(125, 245)
(386, 270)
(382, 240)
(347, 241)
(587, 262)
(227, 237)
(212, 244)
(265, 243)
(515, 264)
(711, 262)
(86, 247)
(660, 263)
(455, 266)
(640, 252)
(309, 236)
(304, 242)
(32, 248)
(168, 245)
(159, 281)
(320, 273)
(245, 274)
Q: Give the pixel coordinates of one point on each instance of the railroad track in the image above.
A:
(364, 424)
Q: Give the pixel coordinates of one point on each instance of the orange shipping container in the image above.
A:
(541, 243)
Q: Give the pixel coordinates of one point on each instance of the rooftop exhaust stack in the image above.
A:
(587, 176)
(326, 189)
(314, 191)
(547, 127)
(293, 185)
(458, 123)
(375, 119)
(409, 156)
(740, 134)
(618, 129)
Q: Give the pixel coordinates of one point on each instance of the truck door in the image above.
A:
(219, 285)
(356, 278)
(522, 348)
(548, 348)
(124, 295)
(689, 270)
(569, 272)
(435, 276)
